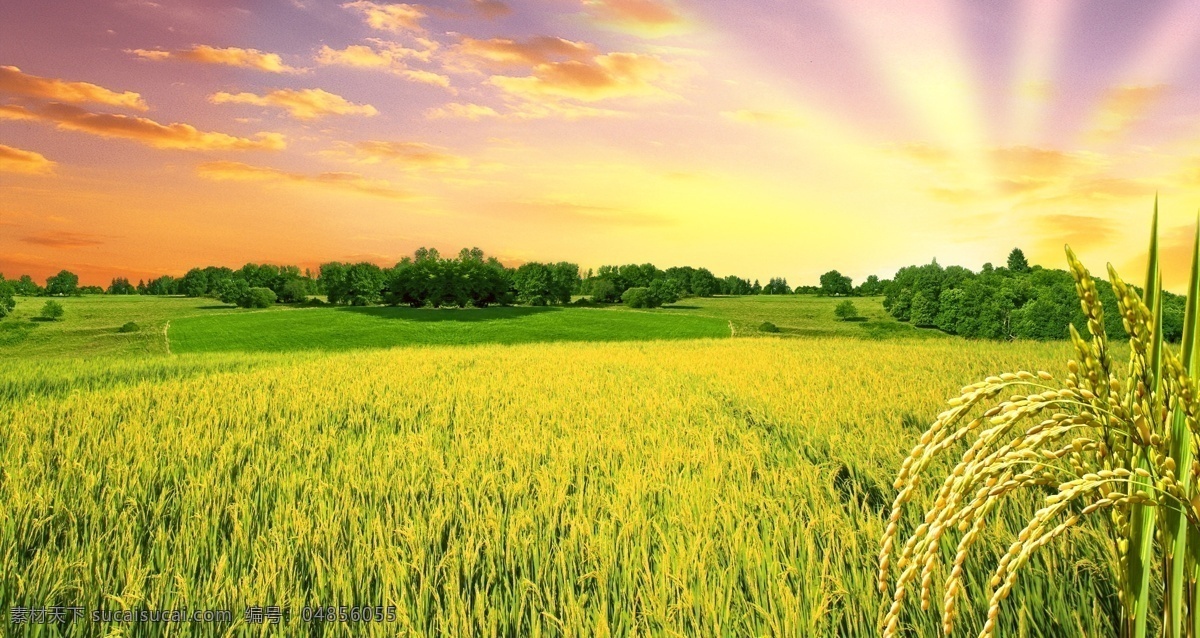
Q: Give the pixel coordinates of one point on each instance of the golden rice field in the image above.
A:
(730, 487)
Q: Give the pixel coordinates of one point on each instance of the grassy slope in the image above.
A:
(346, 328)
(90, 325)
(802, 316)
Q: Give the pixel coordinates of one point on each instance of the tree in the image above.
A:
(7, 303)
(257, 297)
(27, 287)
(52, 311)
(1017, 261)
(664, 291)
(834, 283)
(639, 298)
(121, 286)
(869, 288)
(603, 290)
(777, 286)
(294, 291)
(924, 310)
(233, 291)
(63, 284)
(194, 283)
(846, 311)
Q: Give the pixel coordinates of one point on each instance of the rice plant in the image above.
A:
(1108, 447)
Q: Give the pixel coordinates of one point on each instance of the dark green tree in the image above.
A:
(121, 286)
(63, 284)
(1017, 262)
(834, 283)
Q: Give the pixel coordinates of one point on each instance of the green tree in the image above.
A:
(257, 297)
(7, 291)
(27, 287)
(1017, 261)
(294, 291)
(834, 283)
(194, 283)
(846, 311)
(63, 284)
(639, 298)
(665, 291)
(603, 290)
(924, 310)
(52, 311)
(121, 286)
(233, 290)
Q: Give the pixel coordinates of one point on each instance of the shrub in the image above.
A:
(129, 327)
(767, 326)
(640, 298)
(257, 298)
(52, 311)
(846, 311)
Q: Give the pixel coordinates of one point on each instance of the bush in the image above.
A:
(257, 298)
(846, 311)
(640, 298)
(767, 326)
(129, 327)
(52, 311)
(313, 302)
(294, 291)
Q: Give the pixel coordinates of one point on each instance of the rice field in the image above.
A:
(706, 487)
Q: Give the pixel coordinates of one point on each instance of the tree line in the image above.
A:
(1014, 301)
(425, 279)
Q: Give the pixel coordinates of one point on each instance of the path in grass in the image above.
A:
(347, 328)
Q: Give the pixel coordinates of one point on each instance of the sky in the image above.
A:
(770, 138)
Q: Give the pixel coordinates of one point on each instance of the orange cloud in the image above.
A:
(228, 56)
(63, 240)
(1123, 107)
(640, 14)
(606, 76)
(15, 160)
(389, 17)
(1079, 231)
(457, 110)
(302, 104)
(237, 171)
(410, 155)
(530, 52)
(139, 129)
(14, 82)
(520, 111)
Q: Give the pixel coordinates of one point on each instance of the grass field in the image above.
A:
(90, 327)
(675, 487)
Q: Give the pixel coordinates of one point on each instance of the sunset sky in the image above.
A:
(765, 138)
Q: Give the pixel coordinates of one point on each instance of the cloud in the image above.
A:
(237, 171)
(456, 110)
(652, 15)
(63, 240)
(389, 17)
(139, 129)
(520, 111)
(928, 154)
(408, 155)
(605, 76)
(504, 52)
(427, 77)
(563, 211)
(228, 56)
(1079, 231)
(1095, 191)
(302, 104)
(14, 82)
(770, 118)
(1122, 108)
(15, 160)
(491, 9)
